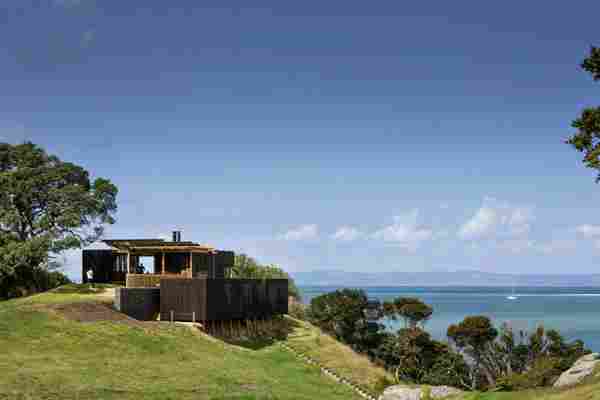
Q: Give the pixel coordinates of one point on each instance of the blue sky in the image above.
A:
(321, 135)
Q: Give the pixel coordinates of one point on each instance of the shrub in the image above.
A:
(382, 383)
(28, 281)
(544, 372)
(340, 314)
(297, 310)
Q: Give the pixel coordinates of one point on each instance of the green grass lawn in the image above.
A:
(47, 356)
(44, 356)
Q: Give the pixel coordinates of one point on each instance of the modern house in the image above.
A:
(171, 259)
(188, 282)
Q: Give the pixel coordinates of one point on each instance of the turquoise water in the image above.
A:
(575, 312)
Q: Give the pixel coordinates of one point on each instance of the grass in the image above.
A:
(46, 356)
(588, 390)
(308, 339)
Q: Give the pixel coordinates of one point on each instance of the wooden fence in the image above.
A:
(222, 299)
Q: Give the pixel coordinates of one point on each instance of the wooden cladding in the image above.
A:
(222, 299)
(104, 265)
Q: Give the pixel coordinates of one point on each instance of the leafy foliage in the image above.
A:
(46, 206)
(26, 281)
(341, 314)
(412, 310)
(587, 137)
(246, 267)
(413, 356)
(506, 360)
(478, 356)
(543, 372)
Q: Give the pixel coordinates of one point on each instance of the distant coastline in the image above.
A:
(466, 278)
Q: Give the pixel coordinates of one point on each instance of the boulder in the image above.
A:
(399, 392)
(582, 368)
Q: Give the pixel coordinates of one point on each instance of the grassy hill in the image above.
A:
(67, 344)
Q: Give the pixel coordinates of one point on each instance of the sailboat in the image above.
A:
(513, 296)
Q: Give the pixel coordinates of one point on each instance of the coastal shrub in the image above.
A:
(412, 310)
(382, 383)
(448, 369)
(297, 310)
(414, 357)
(478, 356)
(543, 372)
(474, 337)
(28, 281)
(341, 314)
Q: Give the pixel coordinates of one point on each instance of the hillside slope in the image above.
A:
(47, 353)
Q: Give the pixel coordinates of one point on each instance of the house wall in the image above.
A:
(102, 263)
(222, 299)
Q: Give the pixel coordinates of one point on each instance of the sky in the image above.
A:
(357, 136)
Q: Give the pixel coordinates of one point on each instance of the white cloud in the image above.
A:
(482, 223)
(405, 231)
(588, 231)
(346, 234)
(303, 232)
(495, 219)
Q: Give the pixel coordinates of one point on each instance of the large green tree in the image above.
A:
(475, 336)
(47, 206)
(587, 137)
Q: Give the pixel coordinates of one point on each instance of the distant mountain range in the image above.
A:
(437, 278)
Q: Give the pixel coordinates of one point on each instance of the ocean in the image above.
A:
(575, 312)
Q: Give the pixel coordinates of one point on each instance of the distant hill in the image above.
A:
(437, 278)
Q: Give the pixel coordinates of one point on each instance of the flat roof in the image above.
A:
(158, 245)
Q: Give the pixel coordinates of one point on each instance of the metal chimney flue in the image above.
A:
(176, 236)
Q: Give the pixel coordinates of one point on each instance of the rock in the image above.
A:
(439, 392)
(398, 392)
(401, 393)
(582, 368)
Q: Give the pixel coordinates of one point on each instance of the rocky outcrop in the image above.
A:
(582, 368)
(399, 392)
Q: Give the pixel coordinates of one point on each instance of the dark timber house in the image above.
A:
(190, 281)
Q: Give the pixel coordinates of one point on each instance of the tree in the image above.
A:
(587, 137)
(47, 206)
(412, 356)
(341, 314)
(475, 336)
(412, 310)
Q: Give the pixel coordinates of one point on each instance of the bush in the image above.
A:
(544, 372)
(449, 369)
(297, 310)
(382, 383)
(340, 314)
(27, 281)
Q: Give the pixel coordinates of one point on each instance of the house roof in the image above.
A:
(156, 245)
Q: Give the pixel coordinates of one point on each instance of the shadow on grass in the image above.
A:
(253, 335)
